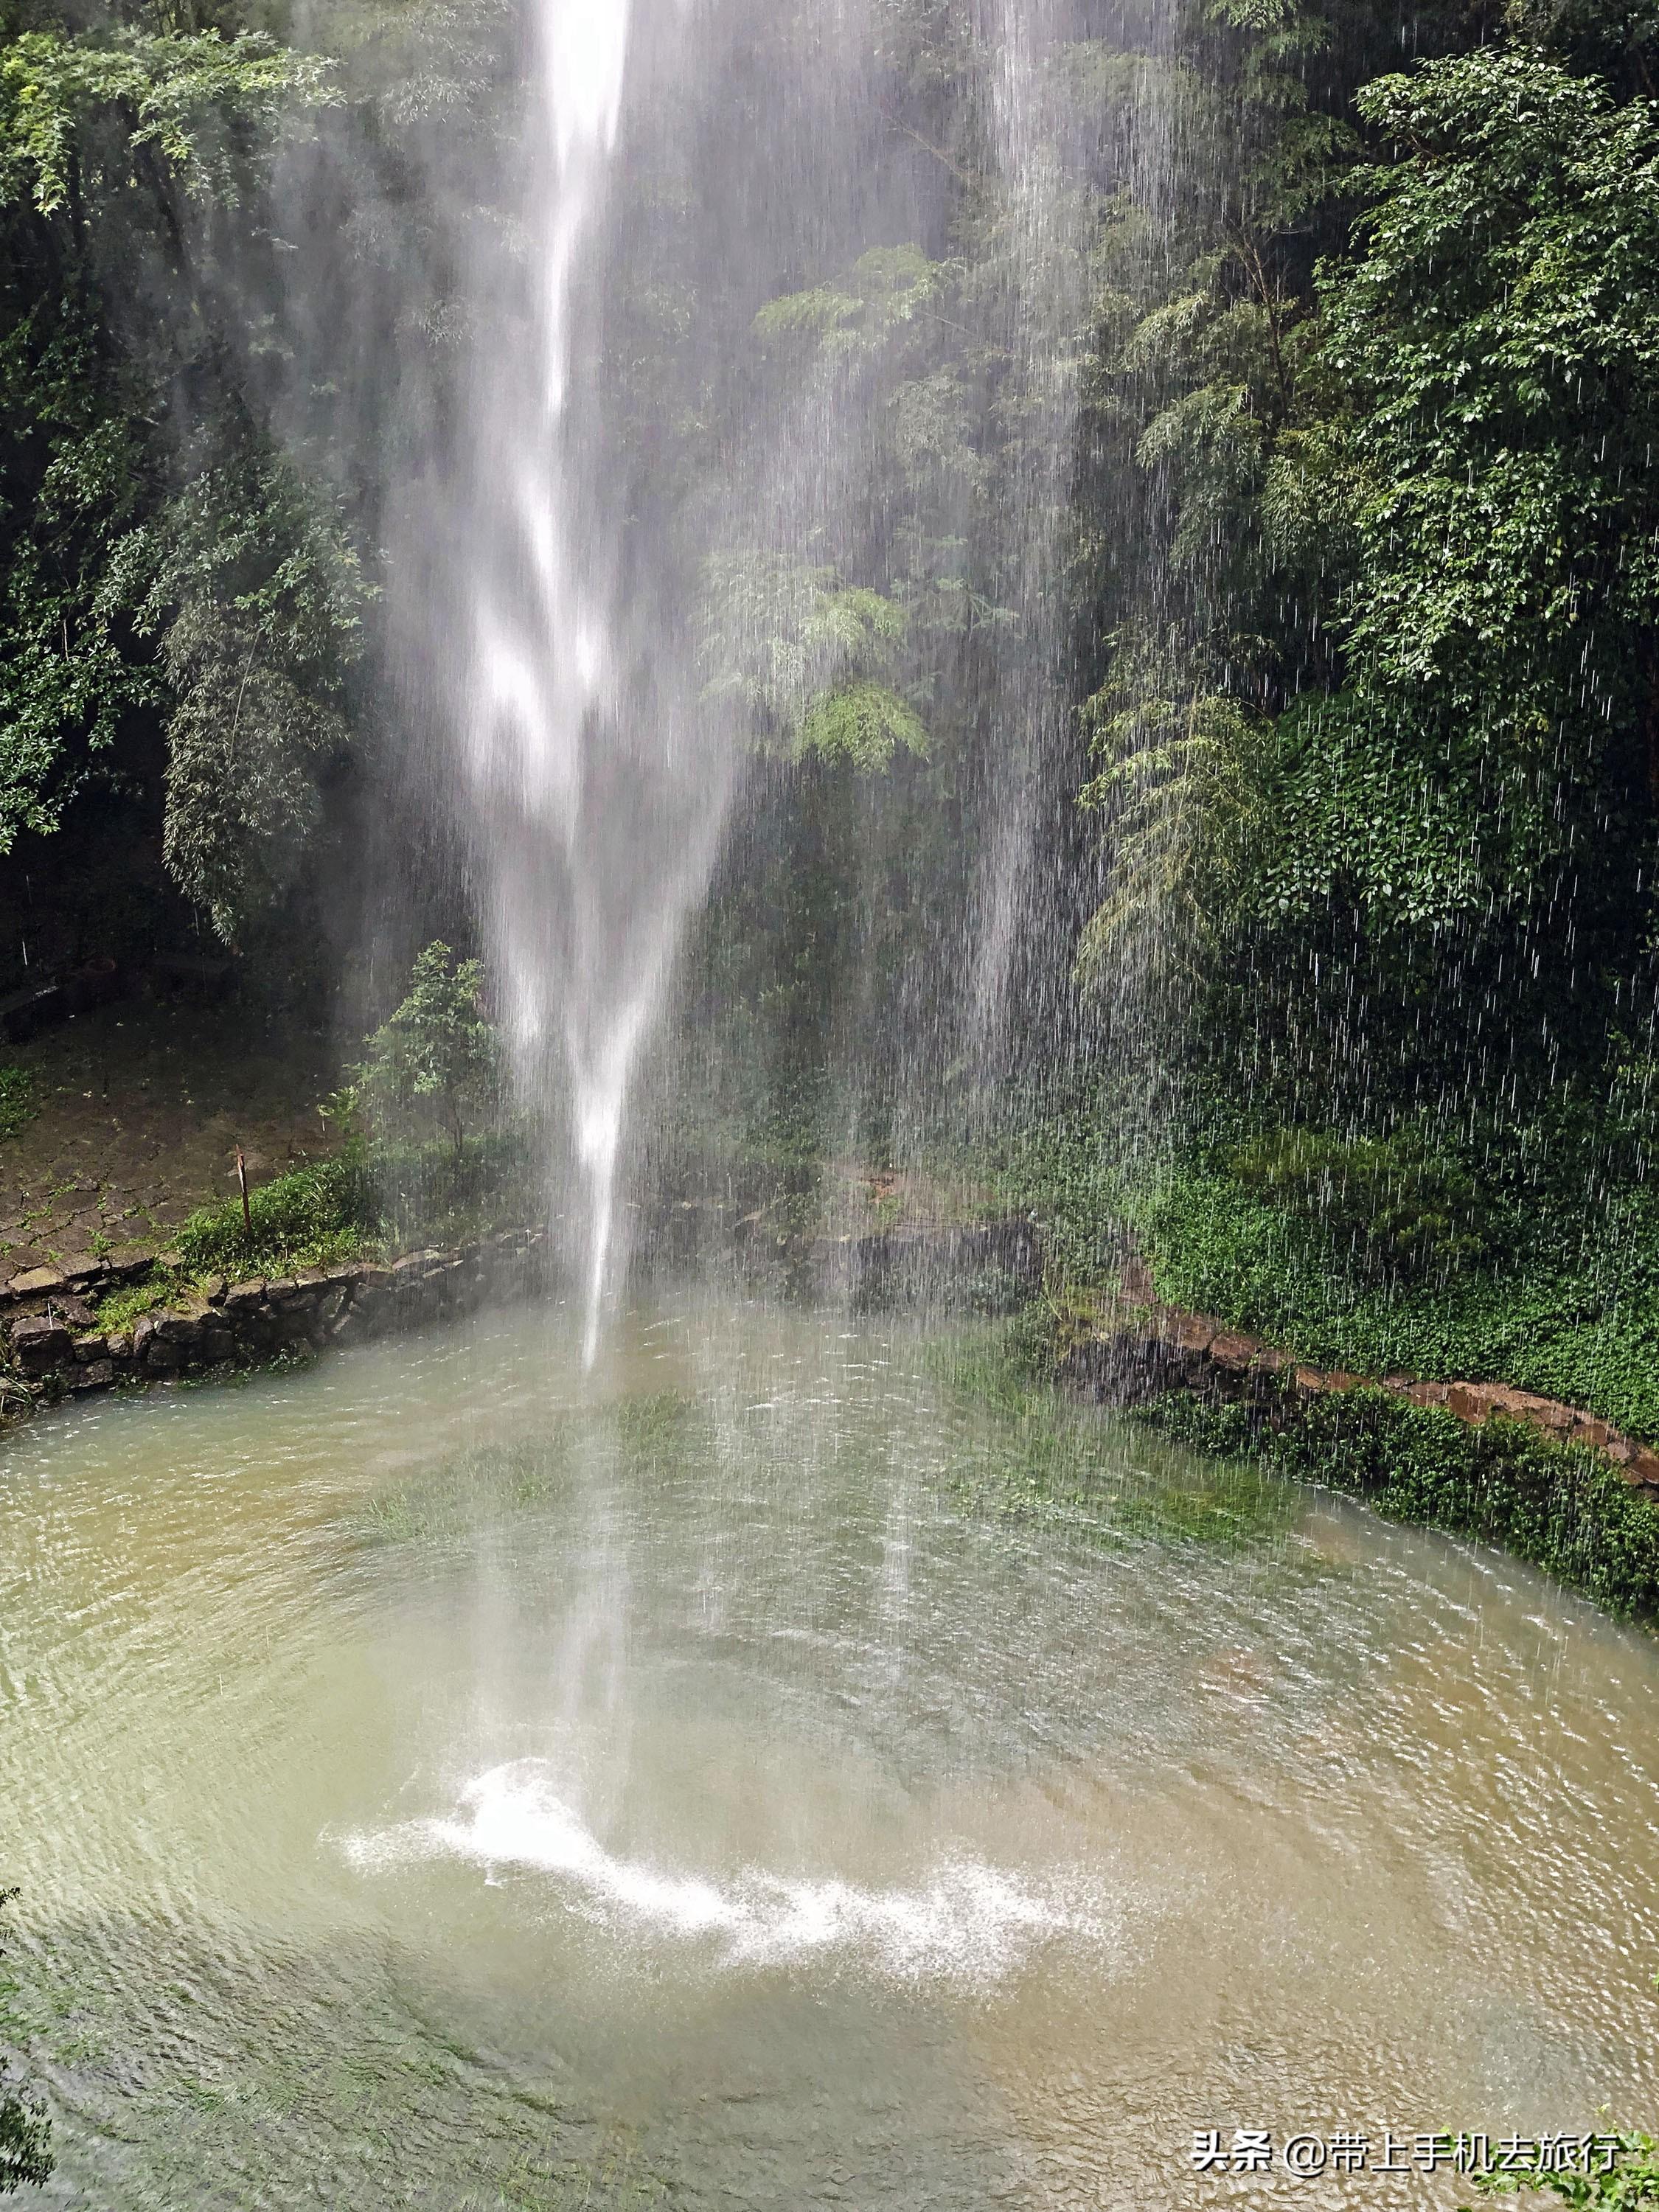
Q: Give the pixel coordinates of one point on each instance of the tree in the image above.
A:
(438, 1057)
(157, 565)
(1498, 341)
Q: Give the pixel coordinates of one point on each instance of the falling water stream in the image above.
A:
(563, 569)
(765, 1772)
(593, 833)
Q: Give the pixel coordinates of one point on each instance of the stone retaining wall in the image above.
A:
(54, 1348)
(1142, 1349)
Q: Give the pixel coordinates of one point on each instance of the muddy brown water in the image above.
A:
(771, 1774)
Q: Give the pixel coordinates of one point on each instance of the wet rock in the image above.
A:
(120, 1344)
(1233, 1351)
(182, 1330)
(91, 1346)
(40, 1343)
(1469, 1400)
(1192, 1333)
(96, 1375)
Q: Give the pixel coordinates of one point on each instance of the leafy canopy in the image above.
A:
(185, 95)
(1499, 340)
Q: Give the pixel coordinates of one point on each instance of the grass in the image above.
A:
(122, 1308)
(18, 1105)
(313, 1216)
(1532, 1262)
(1529, 1258)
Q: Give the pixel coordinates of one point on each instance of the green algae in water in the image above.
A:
(1028, 1454)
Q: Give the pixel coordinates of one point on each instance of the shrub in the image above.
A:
(1631, 2178)
(17, 1105)
(1401, 1210)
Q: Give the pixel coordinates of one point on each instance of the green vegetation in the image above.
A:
(1377, 790)
(26, 2159)
(1567, 1510)
(406, 1171)
(312, 1216)
(1518, 1258)
(437, 1061)
(18, 1105)
(197, 585)
(1630, 2178)
(1552, 1303)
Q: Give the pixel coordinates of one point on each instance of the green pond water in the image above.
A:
(767, 1773)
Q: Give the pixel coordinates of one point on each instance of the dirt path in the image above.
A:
(141, 1110)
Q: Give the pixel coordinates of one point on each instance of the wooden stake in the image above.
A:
(247, 1212)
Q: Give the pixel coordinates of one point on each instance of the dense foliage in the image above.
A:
(180, 605)
(1567, 1510)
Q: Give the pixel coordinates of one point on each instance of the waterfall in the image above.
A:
(595, 803)
(611, 434)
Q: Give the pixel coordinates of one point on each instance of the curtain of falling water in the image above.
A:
(598, 222)
(595, 804)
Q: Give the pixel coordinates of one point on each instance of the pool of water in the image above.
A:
(772, 1773)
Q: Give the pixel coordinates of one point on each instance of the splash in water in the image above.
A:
(965, 1920)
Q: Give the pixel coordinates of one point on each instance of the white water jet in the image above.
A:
(594, 744)
(596, 810)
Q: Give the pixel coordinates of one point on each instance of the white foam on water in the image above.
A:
(966, 1921)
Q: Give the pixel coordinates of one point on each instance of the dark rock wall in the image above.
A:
(56, 1347)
